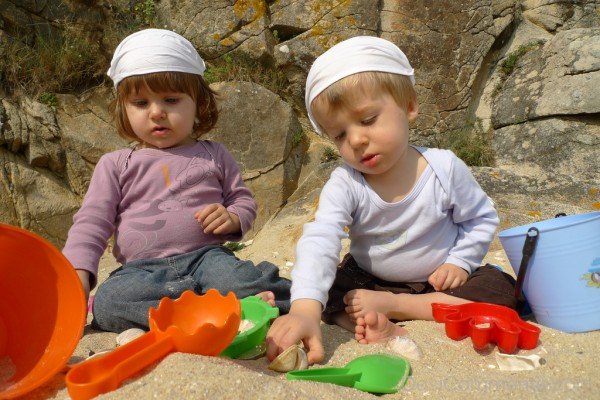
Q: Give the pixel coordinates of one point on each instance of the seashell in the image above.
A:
(98, 353)
(293, 358)
(514, 362)
(245, 325)
(404, 346)
(129, 335)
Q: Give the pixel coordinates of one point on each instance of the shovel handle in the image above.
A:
(528, 248)
(106, 373)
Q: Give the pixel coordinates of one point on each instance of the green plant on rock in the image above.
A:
(510, 62)
(297, 138)
(238, 67)
(234, 246)
(145, 12)
(329, 154)
(48, 99)
(60, 60)
(497, 88)
(69, 55)
(471, 143)
(124, 21)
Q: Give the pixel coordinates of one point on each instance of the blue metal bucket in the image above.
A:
(562, 280)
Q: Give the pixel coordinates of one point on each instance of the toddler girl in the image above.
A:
(170, 201)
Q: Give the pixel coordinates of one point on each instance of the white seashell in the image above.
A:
(514, 362)
(129, 335)
(293, 358)
(245, 325)
(98, 353)
(404, 346)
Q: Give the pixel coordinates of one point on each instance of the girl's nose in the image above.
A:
(156, 111)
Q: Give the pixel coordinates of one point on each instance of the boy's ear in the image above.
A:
(412, 110)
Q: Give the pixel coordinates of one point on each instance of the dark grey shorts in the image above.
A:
(486, 284)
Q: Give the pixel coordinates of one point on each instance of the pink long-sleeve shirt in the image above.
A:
(147, 198)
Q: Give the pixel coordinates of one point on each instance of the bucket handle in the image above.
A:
(528, 248)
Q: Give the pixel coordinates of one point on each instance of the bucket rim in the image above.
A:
(518, 230)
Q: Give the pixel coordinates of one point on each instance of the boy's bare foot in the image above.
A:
(360, 301)
(269, 297)
(375, 327)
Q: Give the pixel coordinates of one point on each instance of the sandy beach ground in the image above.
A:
(448, 369)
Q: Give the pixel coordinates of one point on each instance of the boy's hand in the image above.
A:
(447, 276)
(302, 323)
(215, 219)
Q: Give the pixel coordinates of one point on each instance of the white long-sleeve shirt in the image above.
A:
(446, 218)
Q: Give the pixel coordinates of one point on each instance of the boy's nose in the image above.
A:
(357, 138)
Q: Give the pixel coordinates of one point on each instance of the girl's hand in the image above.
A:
(302, 323)
(447, 276)
(215, 219)
(84, 277)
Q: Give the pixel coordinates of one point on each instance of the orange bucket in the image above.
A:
(42, 311)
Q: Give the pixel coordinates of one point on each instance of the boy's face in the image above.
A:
(371, 133)
(161, 120)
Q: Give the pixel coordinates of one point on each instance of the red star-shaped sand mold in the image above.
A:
(487, 324)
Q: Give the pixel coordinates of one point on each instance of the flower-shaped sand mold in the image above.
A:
(487, 324)
(200, 324)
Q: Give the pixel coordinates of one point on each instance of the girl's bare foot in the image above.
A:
(269, 297)
(360, 301)
(375, 327)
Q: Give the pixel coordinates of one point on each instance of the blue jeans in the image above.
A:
(123, 299)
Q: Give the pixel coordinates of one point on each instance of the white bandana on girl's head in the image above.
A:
(154, 50)
(358, 54)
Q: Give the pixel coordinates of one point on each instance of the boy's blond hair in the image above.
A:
(343, 92)
(191, 84)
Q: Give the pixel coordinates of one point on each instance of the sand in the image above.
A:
(448, 369)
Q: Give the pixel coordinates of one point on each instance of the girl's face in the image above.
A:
(371, 132)
(161, 120)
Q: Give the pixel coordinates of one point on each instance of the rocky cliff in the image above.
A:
(517, 78)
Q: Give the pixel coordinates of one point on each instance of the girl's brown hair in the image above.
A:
(191, 84)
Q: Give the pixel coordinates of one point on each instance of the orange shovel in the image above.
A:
(200, 324)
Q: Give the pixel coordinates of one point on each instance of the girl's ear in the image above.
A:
(412, 110)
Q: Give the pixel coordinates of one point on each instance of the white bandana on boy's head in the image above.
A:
(358, 54)
(154, 50)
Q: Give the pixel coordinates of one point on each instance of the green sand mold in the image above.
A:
(251, 343)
